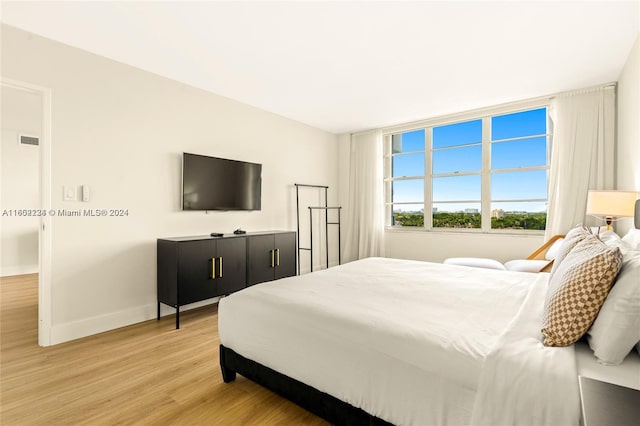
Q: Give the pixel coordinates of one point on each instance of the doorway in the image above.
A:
(26, 190)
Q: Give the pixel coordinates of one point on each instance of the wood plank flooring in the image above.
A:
(148, 373)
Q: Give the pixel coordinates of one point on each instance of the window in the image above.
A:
(519, 163)
(457, 175)
(485, 173)
(407, 186)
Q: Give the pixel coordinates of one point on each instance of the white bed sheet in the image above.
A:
(406, 341)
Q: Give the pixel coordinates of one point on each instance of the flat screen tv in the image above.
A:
(211, 183)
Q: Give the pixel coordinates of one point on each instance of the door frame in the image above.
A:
(44, 233)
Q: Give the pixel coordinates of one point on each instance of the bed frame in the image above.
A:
(331, 409)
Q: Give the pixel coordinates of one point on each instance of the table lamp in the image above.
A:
(610, 205)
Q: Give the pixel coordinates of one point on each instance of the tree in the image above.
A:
(531, 221)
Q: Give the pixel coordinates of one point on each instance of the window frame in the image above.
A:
(485, 114)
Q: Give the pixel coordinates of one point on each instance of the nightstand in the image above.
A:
(608, 404)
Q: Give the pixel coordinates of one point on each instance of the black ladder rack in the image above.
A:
(326, 209)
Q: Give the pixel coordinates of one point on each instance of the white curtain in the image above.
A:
(365, 207)
(582, 157)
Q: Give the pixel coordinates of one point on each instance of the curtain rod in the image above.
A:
(386, 129)
(591, 89)
(363, 132)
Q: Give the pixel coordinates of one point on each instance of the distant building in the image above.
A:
(435, 210)
(471, 210)
(497, 213)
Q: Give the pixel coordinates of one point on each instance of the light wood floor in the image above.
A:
(148, 373)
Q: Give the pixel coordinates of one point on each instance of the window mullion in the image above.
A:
(519, 169)
(485, 209)
(388, 172)
(428, 178)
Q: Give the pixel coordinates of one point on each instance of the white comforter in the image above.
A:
(411, 342)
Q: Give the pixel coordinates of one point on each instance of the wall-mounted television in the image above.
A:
(211, 183)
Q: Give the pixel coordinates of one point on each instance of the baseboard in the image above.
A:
(61, 333)
(9, 271)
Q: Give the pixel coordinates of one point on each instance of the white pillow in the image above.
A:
(608, 236)
(526, 265)
(616, 330)
(573, 237)
(553, 251)
(633, 238)
(612, 239)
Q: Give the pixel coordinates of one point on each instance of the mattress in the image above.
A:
(409, 342)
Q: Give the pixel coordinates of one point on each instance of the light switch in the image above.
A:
(68, 193)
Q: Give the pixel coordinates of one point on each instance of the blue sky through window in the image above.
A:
(464, 159)
(457, 188)
(519, 153)
(519, 185)
(528, 149)
(526, 123)
(457, 134)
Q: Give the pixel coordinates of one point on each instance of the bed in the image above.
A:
(406, 342)
(391, 341)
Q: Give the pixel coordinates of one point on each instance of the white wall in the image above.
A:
(20, 172)
(628, 145)
(122, 131)
(437, 246)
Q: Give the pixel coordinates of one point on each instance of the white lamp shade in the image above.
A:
(611, 203)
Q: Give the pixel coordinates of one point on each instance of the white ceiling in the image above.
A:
(348, 66)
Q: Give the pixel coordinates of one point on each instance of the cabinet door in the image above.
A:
(286, 246)
(231, 272)
(167, 272)
(260, 252)
(195, 271)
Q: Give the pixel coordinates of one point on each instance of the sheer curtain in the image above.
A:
(582, 157)
(365, 207)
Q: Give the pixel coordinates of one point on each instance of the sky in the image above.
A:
(457, 149)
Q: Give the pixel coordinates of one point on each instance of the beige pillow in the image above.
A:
(578, 289)
(573, 237)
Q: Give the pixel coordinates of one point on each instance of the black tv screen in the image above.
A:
(210, 183)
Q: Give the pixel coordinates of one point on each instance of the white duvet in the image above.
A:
(411, 342)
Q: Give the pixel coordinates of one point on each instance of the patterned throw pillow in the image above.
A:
(578, 289)
(573, 237)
